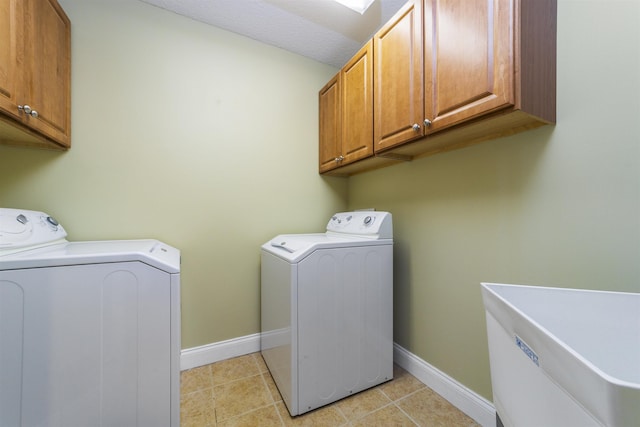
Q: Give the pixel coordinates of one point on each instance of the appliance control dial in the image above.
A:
(362, 223)
(52, 221)
(21, 229)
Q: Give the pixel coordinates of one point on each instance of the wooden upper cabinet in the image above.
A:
(357, 106)
(48, 53)
(489, 71)
(330, 124)
(398, 88)
(469, 61)
(10, 54)
(451, 73)
(346, 113)
(35, 74)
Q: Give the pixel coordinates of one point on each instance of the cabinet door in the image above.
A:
(330, 124)
(469, 64)
(48, 50)
(10, 54)
(398, 75)
(357, 106)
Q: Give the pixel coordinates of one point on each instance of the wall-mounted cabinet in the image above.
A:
(330, 125)
(399, 87)
(346, 113)
(11, 36)
(451, 73)
(35, 74)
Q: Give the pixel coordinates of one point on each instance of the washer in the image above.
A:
(89, 331)
(327, 309)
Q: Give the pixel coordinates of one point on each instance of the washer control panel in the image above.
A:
(23, 229)
(366, 223)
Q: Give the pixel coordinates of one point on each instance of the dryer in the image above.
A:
(327, 309)
(89, 331)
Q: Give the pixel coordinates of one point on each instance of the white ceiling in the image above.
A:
(319, 29)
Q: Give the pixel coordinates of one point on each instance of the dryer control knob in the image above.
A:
(368, 220)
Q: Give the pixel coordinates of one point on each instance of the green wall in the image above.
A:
(557, 206)
(208, 141)
(188, 134)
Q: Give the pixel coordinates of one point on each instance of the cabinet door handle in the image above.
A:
(416, 127)
(427, 122)
(339, 159)
(28, 110)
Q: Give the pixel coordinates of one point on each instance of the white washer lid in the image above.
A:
(296, 247)
(151, 252)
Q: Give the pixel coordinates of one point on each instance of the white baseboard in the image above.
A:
(475, 406)
(215, 352)
(469, 402)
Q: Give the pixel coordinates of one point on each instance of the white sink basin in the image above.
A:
(564, 357)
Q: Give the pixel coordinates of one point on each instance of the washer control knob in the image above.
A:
(52, 221)
(368, 220)
(22, 219)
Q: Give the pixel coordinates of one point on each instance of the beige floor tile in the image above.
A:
(234, 369)
(197, 409)
(271, 385)
(241, 392)
(402, 384)
(262, 366)
(357, 406)
(195, 379)
(262, 417)
(240, 396)
(327, 416)
(429, 409)
(389, 416)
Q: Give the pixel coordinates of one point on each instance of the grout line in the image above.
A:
(408, 416)
(182, 394)
(337, 407)
(250, 411)
(410, 394)
(255, 362)
(266, 386)
(376, 410)
(279, 414)
(238, 379)
(386, 395)
(260, 374)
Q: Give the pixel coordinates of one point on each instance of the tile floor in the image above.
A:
(241, 392)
